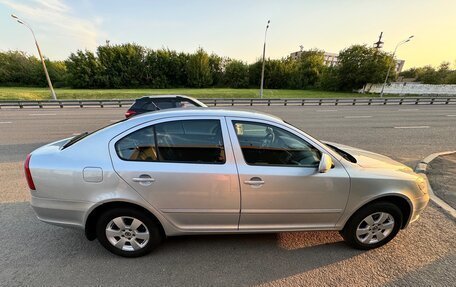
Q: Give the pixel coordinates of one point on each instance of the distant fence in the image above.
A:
(242, 102)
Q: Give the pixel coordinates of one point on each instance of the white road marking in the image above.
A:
(451, 115)
(113, 121)
(6, 122)
(413, 127)
(76, 134)
(41, 114)
(357, 117)
(409, 110)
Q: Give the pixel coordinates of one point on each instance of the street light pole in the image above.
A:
(389, 68)
(54, 97)
(262, 68)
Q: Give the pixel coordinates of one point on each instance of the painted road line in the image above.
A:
(408, 110)
(6, 122)
(412, 127)
(114, 121)
(41, 114)
(321, 111)
(357, 117)
(451, 115)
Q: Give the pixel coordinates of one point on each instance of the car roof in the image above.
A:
(201, 111)
(164, 97)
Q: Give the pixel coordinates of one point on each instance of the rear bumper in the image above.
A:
(61, 212)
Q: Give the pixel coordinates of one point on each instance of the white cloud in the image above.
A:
(54, 18)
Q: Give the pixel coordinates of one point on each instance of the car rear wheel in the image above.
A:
(373, 225)
(128, 232)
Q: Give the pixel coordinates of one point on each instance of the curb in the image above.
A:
(421, 168)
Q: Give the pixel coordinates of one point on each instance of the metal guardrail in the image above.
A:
(242, 102)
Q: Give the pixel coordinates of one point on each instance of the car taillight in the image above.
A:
(130, 113)
(28, 174)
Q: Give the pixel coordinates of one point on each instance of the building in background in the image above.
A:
(332, 59)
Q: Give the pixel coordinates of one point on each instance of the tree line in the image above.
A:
(134, 66)
(429, 75)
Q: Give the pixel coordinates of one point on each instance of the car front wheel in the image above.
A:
(128, 232)
(373, 225)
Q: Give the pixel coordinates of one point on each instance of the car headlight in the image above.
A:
(422, 184)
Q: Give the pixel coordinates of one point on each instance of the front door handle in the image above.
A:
(142, 179)
(255, 181)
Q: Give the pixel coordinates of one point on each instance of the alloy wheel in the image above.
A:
(375, 228)
(127, 233)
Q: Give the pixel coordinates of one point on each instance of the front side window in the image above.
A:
(264, 144)
(187, 141)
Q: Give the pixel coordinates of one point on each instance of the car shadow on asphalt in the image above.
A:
(186, 260)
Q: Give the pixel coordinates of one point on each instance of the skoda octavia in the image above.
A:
(209, 171)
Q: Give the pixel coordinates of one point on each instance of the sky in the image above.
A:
(234, 28)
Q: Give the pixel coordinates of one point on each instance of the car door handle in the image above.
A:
(143, 179)
(254, 181)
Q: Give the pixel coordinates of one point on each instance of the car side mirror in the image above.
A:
(326, 163)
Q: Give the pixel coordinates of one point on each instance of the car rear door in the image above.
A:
(281, 187)
(185, 168)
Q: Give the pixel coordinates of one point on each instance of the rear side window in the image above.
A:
(187, 141)
(138, 146)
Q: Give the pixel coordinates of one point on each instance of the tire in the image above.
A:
(134, 232)
(365, 230)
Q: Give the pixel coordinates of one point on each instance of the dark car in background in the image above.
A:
(154, 103)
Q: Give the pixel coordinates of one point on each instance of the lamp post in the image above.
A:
(389, 68)
(54, 97)
(264, 52)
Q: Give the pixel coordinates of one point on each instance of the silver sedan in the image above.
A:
(208, 171)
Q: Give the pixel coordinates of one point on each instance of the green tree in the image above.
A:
(84, 70)
(308, 69)
(216, 66)
(198, 70)
(236, 74)
(359, 65)
(428, 75)
(329, 80)
(122, 65)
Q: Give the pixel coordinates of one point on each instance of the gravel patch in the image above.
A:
(442, 177)
(13, 186)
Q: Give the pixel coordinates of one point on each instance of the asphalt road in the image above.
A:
(34, 253)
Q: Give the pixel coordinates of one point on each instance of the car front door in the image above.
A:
(281, 187)
(185, 168)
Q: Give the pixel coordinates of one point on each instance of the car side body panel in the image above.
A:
(72, 182)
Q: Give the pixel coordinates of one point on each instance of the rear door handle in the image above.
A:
(143, 179)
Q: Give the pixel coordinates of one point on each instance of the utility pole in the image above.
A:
(379, 43)
(262, 68)
(54, 97)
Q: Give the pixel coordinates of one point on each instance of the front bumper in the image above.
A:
(61, 212)
(419, 204)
